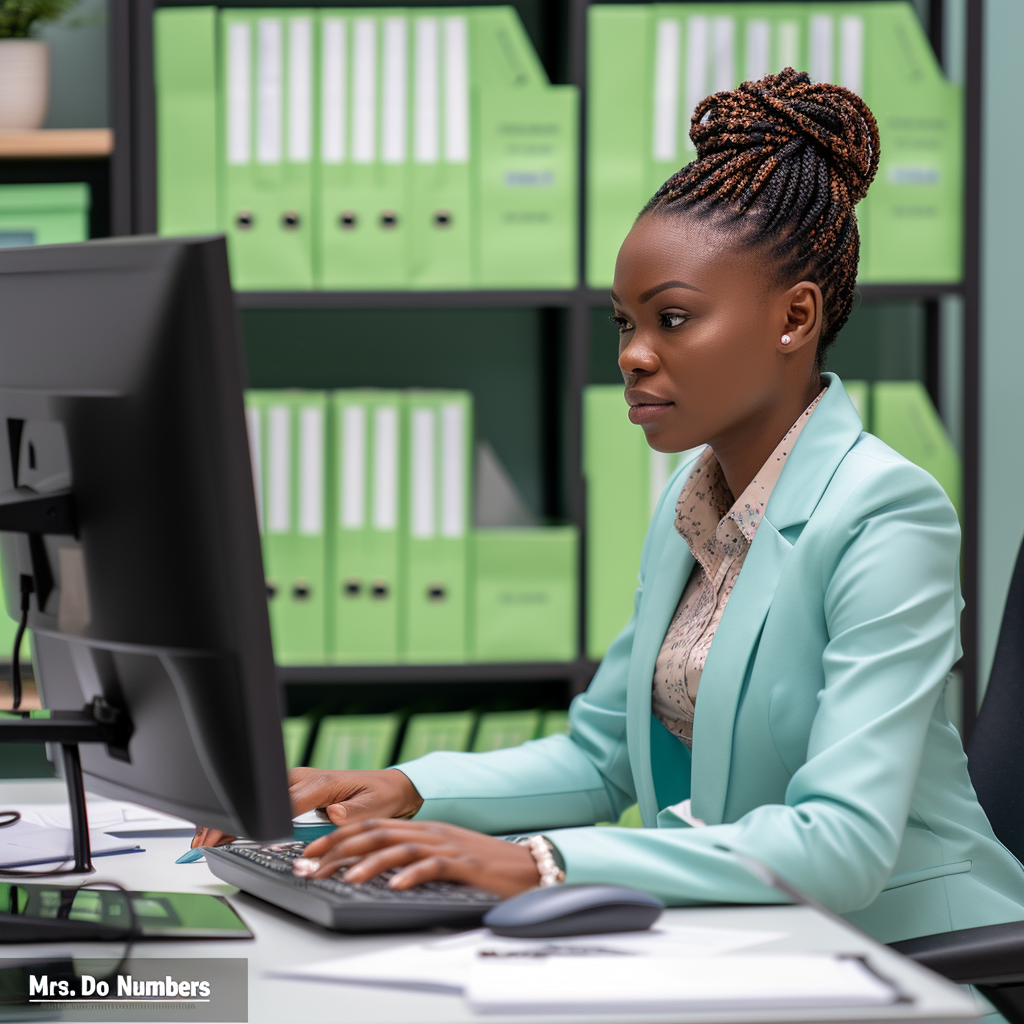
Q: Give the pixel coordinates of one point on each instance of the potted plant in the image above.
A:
(25, 62)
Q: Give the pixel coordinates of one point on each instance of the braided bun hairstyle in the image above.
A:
(785, 161)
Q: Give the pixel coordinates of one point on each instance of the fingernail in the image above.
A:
(305, 866)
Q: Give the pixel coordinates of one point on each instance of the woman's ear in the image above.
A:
(801, 317)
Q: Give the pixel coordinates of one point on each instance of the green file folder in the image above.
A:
(859, 392)
(617, 130)
(438, 491)
(502, 55)
(287, 439)
(499, 729)
(525, 606)
(526, 187)
(904, 417)
(355, 741)
(297, 733)
(185, 67)
(269, 131)
(445, 730)
(555, 723)
(364, 214)
(366, 489)
(43, 214)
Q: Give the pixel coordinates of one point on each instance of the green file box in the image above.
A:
(526, 187)
(185, 67)
(859, 392)
(437, 465)
(355, 741)
(43, 214)
(555, 723)
(364, 216)
(367, 494)
(525, 606)
(268, 139)
(502, 54)
(446, 730)
(617, 130)
(287, 440)
(500, 729)
(297, 733)
(904, 417)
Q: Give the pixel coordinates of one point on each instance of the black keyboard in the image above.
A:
(266, 872)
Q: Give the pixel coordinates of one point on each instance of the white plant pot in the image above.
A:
(24, 83)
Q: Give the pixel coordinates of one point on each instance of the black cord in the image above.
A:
(27, 587)
(9, 818)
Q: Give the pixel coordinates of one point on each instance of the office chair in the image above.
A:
(992, 957)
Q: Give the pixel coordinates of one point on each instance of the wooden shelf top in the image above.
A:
(56, 143)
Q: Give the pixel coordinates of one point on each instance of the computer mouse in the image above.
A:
(574, 910)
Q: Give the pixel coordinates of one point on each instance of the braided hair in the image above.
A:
(785, 162)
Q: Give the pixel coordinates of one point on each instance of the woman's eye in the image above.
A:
(670, 320)
(621, 323)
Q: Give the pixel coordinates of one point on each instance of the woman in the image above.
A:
(811, 734)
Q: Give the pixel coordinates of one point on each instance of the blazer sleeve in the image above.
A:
(892, 607)
(577, 779)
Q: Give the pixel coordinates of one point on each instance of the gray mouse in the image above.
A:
(574, 910)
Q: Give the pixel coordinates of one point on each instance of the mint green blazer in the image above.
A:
(821, 744)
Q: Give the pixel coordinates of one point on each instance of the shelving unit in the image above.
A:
(567, 315)
(56, 144)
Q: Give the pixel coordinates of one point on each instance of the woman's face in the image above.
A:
(700, 324)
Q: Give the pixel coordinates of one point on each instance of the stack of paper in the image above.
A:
(25, 844)
(115, 817)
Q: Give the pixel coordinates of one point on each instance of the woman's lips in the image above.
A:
(646, 412)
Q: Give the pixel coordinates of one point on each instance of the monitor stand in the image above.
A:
(98, 722)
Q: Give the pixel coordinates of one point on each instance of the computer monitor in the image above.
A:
(121, 394)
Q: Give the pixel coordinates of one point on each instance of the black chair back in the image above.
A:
(995, 755)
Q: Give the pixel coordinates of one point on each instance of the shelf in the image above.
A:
(56, 144)
(473, 672)
(404, 299)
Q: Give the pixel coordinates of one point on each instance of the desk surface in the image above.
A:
(283, 940)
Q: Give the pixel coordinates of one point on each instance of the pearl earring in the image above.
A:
(786, 339)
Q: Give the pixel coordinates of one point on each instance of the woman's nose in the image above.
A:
(637, 358)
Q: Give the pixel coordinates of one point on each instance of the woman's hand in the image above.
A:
(425, 851)
(346, 795)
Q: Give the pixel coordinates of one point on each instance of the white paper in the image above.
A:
(300, 90)
(453, 471)
(353, 467)
(279, 469)
(851, 54)
(252, 426)
(332, 94)
(789, 45)
(587, 984)
(394, 92)
(385, 468)
(364, 91)
(311, 472)
(759, 61)
(456, 90)
(426, 133)
(724, 73)
(25, 843)
(269, 109)
(423, 491)
(239, 94)
(105, 816)
(819, 59)
(665, 130)
(697, 46)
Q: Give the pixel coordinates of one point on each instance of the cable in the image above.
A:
(9, 818)
(27, 587)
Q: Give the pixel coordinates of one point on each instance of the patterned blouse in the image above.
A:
(719, 532)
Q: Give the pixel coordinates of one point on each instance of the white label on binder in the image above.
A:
(759, 61)
(395, 89)
(789, 45)
(696, 67)
(422, 496)
(426, 147)
(269, 108)
(311, 472)
(279, 469)
(662, 464)
(364, 91)
(385, 468)
(252, 426)
(724, 73)
(332, 92)
(456, 90)
(353, 467)
(819, 60)
(851, 54)
(300, 90)
(666, 91)
(239, 94)
(453, 471)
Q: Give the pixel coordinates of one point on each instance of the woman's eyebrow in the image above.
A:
(651, 292)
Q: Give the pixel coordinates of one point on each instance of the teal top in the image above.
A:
(821, 744)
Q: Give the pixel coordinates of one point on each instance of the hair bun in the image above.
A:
(773, 119)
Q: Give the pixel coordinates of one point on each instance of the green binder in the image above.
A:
(555, 723)
(904, 417)
(364, 214)
(445, 730)
(355, 741)
(297, 733)
(287, 438)
(437, 516)
(500, 729)
(43, 214)
(185, 67)
(269, 120)
(525, 606)
(526, 187)
(366, 502)
(502, 55)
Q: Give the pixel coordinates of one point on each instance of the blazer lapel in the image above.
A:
(826, 438)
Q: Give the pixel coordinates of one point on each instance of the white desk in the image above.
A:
(282, 940)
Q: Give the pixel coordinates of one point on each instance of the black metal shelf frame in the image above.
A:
(133, 198)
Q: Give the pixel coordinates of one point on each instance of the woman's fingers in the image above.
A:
(396, 856)
(400, 830)
(430, 869)
(210, 837)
